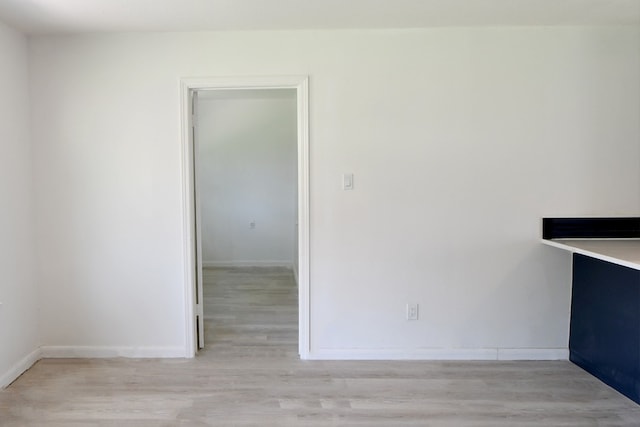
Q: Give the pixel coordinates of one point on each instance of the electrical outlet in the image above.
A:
(412, 311)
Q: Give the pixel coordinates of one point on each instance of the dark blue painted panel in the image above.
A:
(591, 228)
(605, 323)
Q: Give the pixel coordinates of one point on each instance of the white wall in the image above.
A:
(18, 312)
(246, 174)
(459, 139)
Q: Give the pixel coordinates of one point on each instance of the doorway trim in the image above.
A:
(187, 87)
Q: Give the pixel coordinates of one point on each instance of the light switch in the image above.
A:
(347, 181)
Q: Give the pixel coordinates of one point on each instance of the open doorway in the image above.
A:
(245, 146)
(247, 204)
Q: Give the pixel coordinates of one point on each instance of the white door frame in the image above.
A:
(187, 86)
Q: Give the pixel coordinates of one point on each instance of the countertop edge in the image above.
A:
(596, 255)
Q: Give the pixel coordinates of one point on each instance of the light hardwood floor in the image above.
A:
(250, 375)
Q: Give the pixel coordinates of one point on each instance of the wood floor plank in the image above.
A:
(250, 375)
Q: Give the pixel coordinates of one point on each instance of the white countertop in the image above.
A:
(624, 252)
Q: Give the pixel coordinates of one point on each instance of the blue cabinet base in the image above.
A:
(605, 323)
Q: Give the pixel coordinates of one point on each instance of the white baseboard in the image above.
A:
(66, 352)
(214, 264)
(442, 354)
(89, 352)
(533, 354)
(19, 368)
